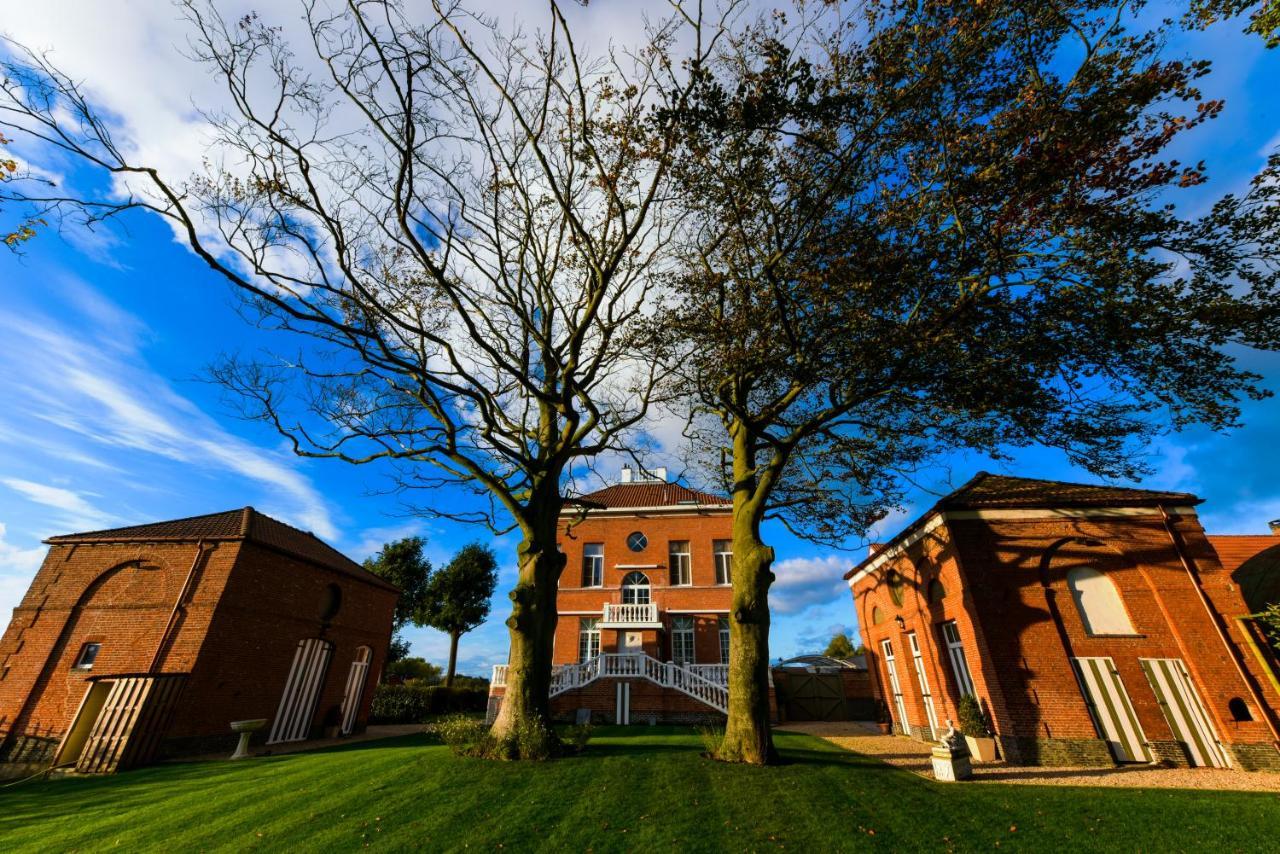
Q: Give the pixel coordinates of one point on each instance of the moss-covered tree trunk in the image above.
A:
(532, 627)
(747, 736)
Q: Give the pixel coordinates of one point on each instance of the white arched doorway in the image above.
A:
(356, 678)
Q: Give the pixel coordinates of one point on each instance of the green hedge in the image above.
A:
(415, 704)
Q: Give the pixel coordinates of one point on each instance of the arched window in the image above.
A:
(936, 592)
(635, 589)
(896, 582)
(877, 616)
(331, 602)
(1098, 602)
(1239, 709)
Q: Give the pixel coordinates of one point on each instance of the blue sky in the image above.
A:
(107, 416)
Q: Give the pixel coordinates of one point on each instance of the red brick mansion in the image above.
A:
(643, 633)
(1095, 625)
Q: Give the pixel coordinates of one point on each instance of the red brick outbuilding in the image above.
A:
(192, 624)
(1094, 624)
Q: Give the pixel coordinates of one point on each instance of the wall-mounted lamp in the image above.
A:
(902, 624)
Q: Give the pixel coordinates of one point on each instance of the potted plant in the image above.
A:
(882, 717)
(976, 726)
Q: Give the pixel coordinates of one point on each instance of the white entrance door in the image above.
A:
(355, 689)
(1182, 708)
(301, 691)
(895, 687)
(1111, 709)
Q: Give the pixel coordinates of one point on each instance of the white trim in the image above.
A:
(885, 555)
(1064, 512)
(637, 566)
(698, 610)
(666, 509)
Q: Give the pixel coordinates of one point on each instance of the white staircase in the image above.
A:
(705, 683)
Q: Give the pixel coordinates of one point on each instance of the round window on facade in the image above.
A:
(637, 541)
(332, 602)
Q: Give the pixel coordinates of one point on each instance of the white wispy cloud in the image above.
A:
(806, 581)
(78, 511)
(17, 567)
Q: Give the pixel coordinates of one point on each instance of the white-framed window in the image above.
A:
(635, 589)
(955, 652)
(88, 655)
(592, 564)
(680, 562)
(724, 640)
(723, 552)
(1098, 601)
(682, 639)
(923, 679)
(588, 638)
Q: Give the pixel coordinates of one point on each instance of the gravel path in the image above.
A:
(914, 756)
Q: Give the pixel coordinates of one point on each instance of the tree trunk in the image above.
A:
(453, 658)
(532, 627)
(747, 736)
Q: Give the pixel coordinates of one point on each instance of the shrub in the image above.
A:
(974, 722)
(416, 704)
(577, 736)
(535, 740)
(463, 734)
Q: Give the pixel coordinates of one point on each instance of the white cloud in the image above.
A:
(76, 384)
(17, 567)
(806, 581)
(78, 511)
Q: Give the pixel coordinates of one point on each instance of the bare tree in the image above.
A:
(922, 227)
(463, 229)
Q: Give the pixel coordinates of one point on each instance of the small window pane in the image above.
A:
(635, 589)
(724, 640)
(682, 640)
(588, 638)
(593, 564)
(723, 550)
(680, 563)
(88, 655)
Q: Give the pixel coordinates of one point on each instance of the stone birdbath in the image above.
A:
(246, 730)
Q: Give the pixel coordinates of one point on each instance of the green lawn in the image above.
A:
(633, 789)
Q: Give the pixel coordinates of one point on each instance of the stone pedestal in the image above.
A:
(246, 730)
(951, 757)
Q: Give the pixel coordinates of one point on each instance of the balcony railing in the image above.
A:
(631, 614)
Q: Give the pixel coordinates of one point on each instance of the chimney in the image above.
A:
(658, 474)
(1275, 527)
(626, 474)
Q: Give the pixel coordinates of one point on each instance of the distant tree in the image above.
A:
(840, 647)
(416, 669)
(922, 227)
(403, 564)
(457, 597)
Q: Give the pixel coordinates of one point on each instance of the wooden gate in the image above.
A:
(355, 689)
(810, 696)
(1183, 710)
(301, 691)
(130, 723)
(1111, 710)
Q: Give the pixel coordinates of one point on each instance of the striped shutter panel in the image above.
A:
(355, 690)
(301, 691)
(1182, 708)
(1112, 712)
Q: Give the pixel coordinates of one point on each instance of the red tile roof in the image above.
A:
(987, 490)
(995, 490)
(243, 524)
(627, 495)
